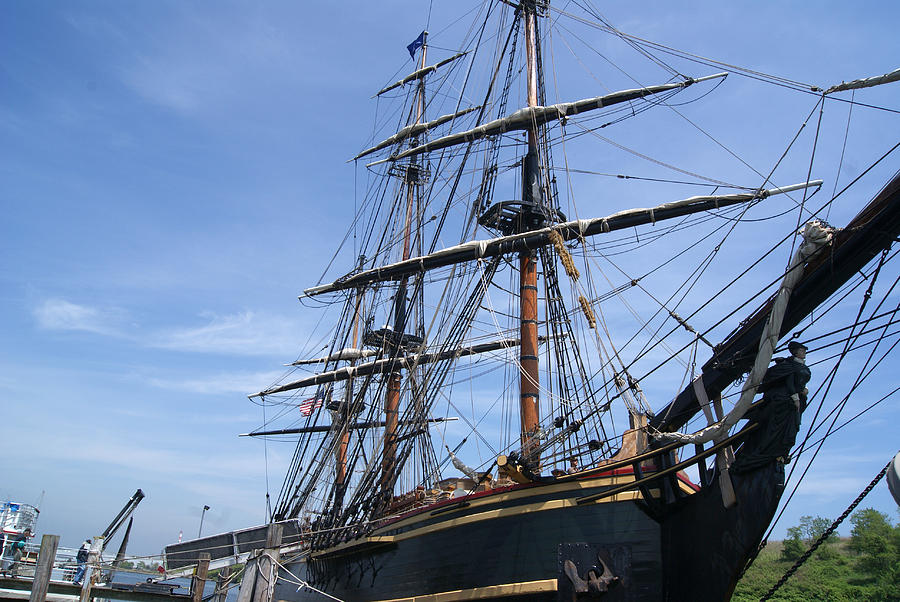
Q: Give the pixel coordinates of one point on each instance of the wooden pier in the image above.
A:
(59, 591)
(41, 588)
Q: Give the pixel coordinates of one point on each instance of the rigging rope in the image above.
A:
(815, 236)
(825, 535)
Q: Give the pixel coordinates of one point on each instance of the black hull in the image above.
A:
(515, 545)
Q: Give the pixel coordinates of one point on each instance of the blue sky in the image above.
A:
(172, 175)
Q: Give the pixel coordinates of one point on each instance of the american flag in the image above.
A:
(307, 406)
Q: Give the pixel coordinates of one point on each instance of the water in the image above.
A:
(183, 583)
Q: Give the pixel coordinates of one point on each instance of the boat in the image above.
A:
(17, 523)
(520, 388)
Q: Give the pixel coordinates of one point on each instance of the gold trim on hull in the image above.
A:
(485, 593)
(472, 515)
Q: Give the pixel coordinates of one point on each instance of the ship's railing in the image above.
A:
(666, 472)
(64, 564)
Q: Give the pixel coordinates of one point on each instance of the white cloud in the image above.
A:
(247, 333)
(59, 314)
(242, 383)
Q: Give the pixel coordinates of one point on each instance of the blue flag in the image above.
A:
(418, 43)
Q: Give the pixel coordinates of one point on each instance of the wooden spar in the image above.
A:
(420, 73)
(198, 580)
(529, 369)
(413, 130)
(532, 239)
(873, 229)
(385, 366)
(531, 117)
(350, 427)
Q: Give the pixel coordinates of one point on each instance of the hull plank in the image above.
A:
(523, 547)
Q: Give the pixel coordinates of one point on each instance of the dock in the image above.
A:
(42, 587)
(62, 591)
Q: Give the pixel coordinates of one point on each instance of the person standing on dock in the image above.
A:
(82, 557)
(15, 552)
(18, 552)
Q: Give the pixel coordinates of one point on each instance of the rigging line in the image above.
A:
(481, 113)
(852, 337)
(683, 54)
(656, 161)
(860, 413)
(824, 537)
(613, 31)
(891, 322)
(841, 404)
(864, 374)
(642, 178)
(837, 175)
(812, 159)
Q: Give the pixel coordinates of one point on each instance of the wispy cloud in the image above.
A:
(59, 314)
(246, 333)
(198, 66)
(219, 384)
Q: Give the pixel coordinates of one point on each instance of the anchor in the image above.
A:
(597, 581)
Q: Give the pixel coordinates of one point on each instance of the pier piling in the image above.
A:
(46, 556)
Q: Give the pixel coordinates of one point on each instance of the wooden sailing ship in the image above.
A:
(470, 262)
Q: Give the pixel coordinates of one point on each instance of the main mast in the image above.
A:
(529, 378)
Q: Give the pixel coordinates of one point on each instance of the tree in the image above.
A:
(792, 547)
(802, 536)
(877, 544)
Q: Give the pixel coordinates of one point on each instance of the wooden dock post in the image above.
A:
(49, 544)
(90, 575)
(267, 573)
(261, 571)
(198, 581)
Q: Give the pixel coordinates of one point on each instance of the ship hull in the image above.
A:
(507, 544)
(680, 543)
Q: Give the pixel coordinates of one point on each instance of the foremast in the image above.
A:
(411, 174)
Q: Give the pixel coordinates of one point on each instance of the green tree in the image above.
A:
(793, 546)
(802, 536)
(877, 545)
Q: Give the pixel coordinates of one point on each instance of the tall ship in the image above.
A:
(521, 386)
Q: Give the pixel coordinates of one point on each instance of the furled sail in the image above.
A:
(479, 249)
(531, 117)
(413, 130)
(386, 366)
(347, 354)
(866, 82)
(319, 428)
(420, 73)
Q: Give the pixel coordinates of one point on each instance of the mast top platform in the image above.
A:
(513, 217)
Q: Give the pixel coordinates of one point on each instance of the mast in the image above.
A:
(411, 175)
(529, 378)
(343, 414)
